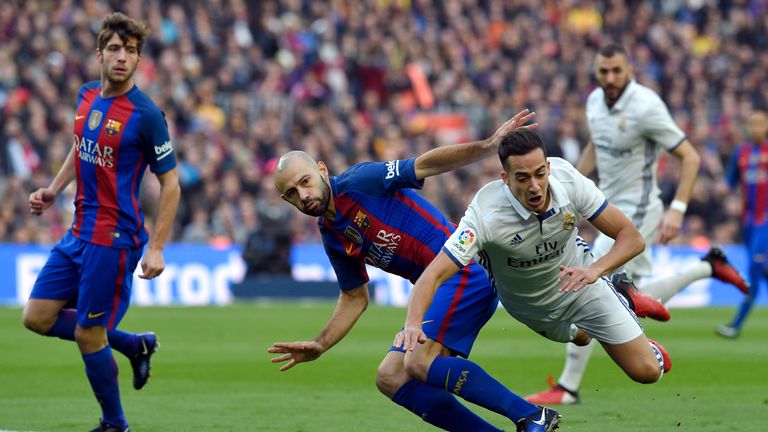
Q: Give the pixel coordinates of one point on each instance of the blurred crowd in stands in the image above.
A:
(348, 81)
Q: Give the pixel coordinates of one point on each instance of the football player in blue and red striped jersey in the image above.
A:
(370, 214)
(749, 168)
(118, 132)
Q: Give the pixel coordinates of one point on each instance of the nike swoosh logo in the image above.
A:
(348, 249)
(79, 117)
(96, 315)
(144, 350)
(543, 418)
(426, 322)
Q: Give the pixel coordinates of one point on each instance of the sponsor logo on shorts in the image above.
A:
(92, 315)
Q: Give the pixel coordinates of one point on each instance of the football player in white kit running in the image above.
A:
(629, 125)
(523, 228)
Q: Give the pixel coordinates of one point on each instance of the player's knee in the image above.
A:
(416, 367)
(91, 339)
(390, 378)
(36, 322)
(647, 372)
(390, 375)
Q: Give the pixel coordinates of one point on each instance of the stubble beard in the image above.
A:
(325, 198)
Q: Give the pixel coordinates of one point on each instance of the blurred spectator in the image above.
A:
(241, 82)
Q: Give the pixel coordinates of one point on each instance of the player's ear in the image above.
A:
(322, 169)
(630, 69)
(504, 177)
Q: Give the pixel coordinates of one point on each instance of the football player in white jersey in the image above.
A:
(629, 125)
(523, 228)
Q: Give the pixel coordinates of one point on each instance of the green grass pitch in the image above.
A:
(213, 373)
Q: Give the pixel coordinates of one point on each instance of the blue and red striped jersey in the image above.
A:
(749, 167)
(381, 221)
(115, 139)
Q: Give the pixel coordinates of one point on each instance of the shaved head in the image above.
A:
(304, 183)
(292, 158)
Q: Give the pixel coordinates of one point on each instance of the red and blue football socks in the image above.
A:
(469, 381)
(101, 369)
(439, 408)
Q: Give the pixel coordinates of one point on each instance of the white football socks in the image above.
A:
(664, 288)
(575, 365)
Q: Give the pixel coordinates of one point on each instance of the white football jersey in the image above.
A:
(521, 250)
(628, 138)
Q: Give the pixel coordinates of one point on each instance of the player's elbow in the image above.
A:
(357, 298)
(693, 159)
(638, 241)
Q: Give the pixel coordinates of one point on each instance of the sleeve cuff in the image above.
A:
(453, 258)
(600, 210)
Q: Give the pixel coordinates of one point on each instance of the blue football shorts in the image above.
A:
(461, 307)
(98, 278)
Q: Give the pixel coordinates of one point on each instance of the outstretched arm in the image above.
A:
(629, 242)
(451, 157)
(689, 169)
(352, 303)
(437, 272)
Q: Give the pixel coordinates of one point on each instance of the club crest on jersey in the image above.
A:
(569, 221)
(112, 127)
(353, 235)
(94, 119)
(362, 221)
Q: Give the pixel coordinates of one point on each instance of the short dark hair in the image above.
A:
(125, 27)
(517, 143)
(611, 49)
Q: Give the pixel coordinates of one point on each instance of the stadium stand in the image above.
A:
(349, 80)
